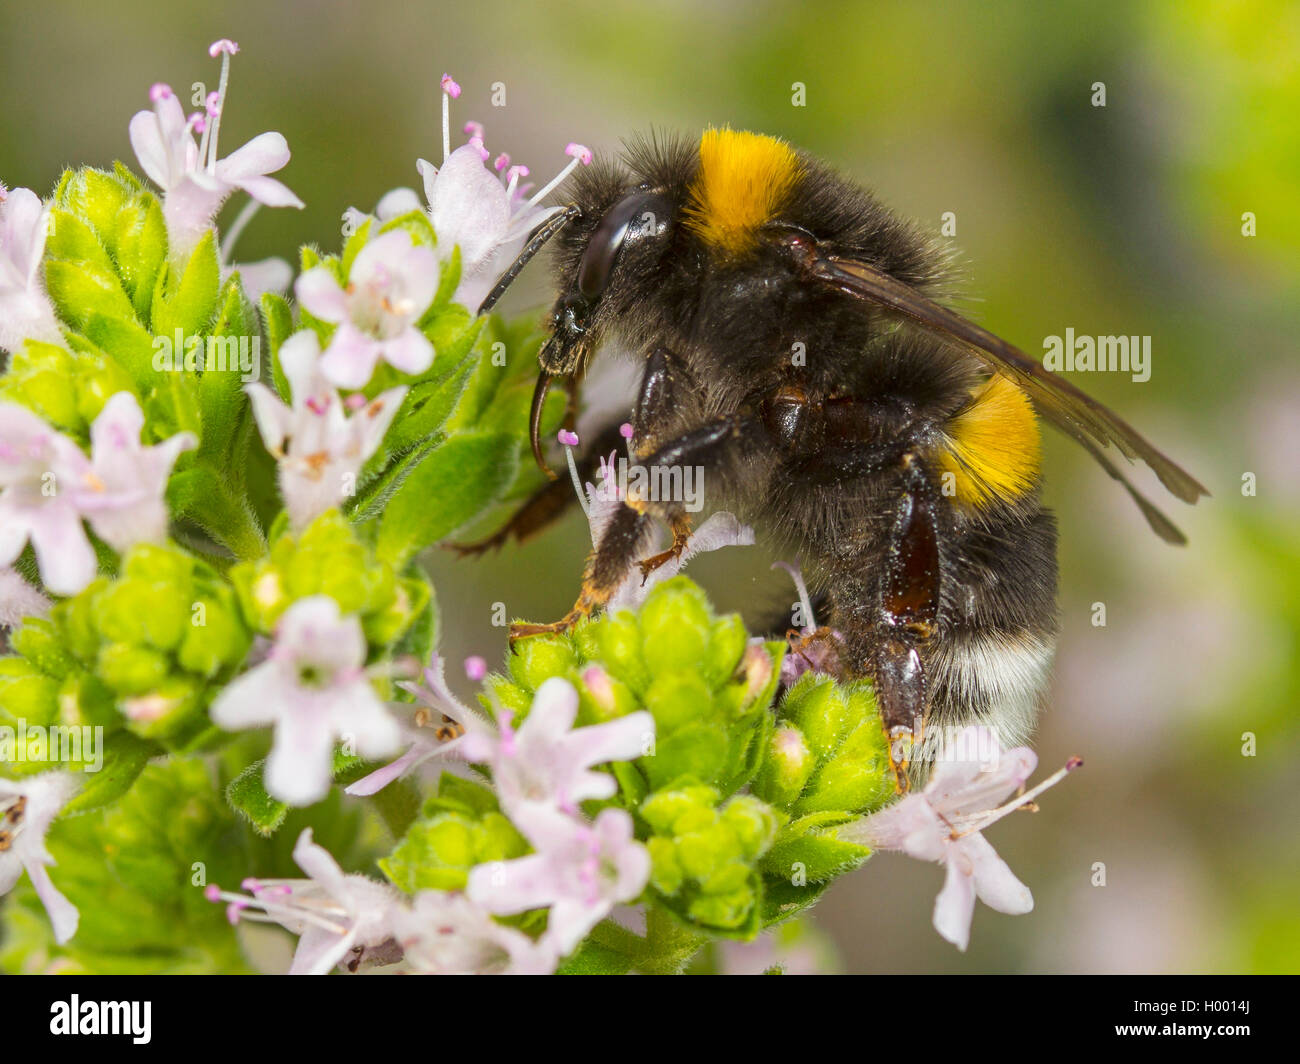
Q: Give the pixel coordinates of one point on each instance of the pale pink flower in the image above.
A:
(27, 807)
(319, 448)
(943, 823)
(433, 695)
(47, 485)
(448, 934)
(580, 872)
(19, 600)
(334, 915)
(25, 310)
(392, 283)
(194, 181)
(546, 767)
(314, 689)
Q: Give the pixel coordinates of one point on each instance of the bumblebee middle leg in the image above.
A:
(904, 618)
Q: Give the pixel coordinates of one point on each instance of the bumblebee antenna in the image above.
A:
(540, 238)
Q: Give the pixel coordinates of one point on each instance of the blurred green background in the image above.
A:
(1123, 219)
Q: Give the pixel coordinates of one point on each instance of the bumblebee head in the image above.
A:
(604, 265)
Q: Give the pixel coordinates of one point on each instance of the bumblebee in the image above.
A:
(795, 344)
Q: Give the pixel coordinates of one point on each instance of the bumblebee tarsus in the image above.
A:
(681, 525)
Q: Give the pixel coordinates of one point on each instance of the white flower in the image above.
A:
(580, 872)
(319, 448)
(195, 182)
(448, 934)
(392, 283)
(25, 310)
(428, 738)
(545, 768)
(333, 914)
(488, 215)
(47, 485)
(18, 599)
(27, 806)
(943, 823)
(313, 688)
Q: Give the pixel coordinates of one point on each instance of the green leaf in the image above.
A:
(82, 291)
(71, 238)
(200, 494)
(279, 327)
(221, 397)
(807, 848)
(188, 303)
(247, 796)
(594, 959)
(371, 501)
(428, 405)
(124, 759)
(450, 488)
(141, 239)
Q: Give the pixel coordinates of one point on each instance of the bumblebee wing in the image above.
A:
(1056, 399)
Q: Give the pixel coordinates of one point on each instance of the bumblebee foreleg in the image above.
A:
(624, 536)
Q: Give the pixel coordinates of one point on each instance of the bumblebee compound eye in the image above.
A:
(640, 216)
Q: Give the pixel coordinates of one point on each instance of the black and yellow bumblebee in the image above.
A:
(796, 345)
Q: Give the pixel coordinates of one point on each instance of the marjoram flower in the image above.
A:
(47, 485)
(194, 181)
(392, 283)
(445, 933)
(27, 807)
(944, 823)
(334, 915)
(314, 689)
(25, 310)
(319, 448)
(545, 768)
(580, 872)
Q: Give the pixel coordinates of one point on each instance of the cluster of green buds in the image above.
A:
(329, 558)
(737, 803)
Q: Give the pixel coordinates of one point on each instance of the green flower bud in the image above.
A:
(131, 669)
(97, 379)
(136, 611)
(618, 641)
(75, 618)
(816, 705)
(438, 852)
(26, 693)
(96, 196)
(786, 767)
(42, 378)
(676, 699)
(727, 642)
(169, 712)
(84, 700)
(601, 697)
(675, 624)
(753, 822)
(41, 643)
(535, 660)
(214, 638)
